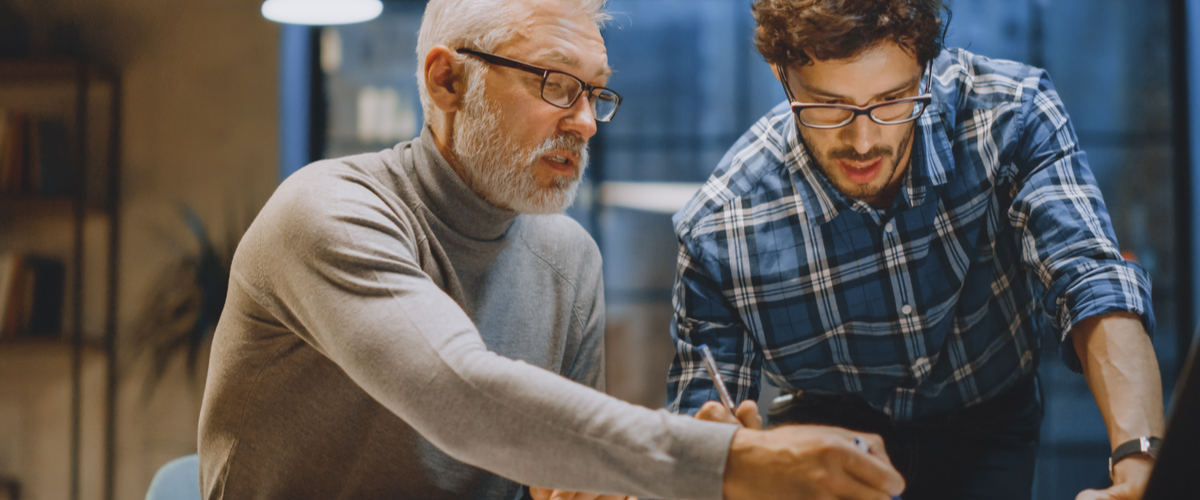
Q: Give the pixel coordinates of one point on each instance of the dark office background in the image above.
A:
(216, 104)
(692, 83)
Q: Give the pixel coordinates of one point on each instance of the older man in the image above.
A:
(399, 324)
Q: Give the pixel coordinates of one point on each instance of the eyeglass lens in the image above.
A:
(889, 113)
(562, 90)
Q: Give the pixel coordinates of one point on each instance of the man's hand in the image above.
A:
(1129, 481)
(545, 494)
(808, 461)
(801, 461)
(747, 414)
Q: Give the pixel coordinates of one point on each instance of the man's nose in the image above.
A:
(862, 134)
(580, 118)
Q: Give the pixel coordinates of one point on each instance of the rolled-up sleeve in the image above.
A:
(1063, 228)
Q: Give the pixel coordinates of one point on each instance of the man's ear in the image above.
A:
(444, 78)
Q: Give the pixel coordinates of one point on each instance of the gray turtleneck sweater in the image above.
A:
(388, 333)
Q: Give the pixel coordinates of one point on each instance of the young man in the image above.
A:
(890, 243)
(401, 325)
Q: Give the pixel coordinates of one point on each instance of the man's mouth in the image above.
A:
(861, 172)
(562, 163)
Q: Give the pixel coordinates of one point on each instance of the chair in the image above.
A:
(179, 479)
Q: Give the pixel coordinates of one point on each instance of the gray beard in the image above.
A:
(495, 166)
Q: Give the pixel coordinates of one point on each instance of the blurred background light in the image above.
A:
(321, 12)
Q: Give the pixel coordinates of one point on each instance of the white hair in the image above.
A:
(477, 24)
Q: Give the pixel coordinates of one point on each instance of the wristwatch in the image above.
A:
(1144, 445)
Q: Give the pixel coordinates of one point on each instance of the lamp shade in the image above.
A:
(321, 12)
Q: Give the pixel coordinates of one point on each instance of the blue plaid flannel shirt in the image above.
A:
(998, 233)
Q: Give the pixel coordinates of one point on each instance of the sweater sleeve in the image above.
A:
(336, 261)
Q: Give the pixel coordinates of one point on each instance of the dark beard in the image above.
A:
(826, 164)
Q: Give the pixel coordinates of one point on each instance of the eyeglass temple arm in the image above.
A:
(929, 82)
(787, 90)
(504, 61)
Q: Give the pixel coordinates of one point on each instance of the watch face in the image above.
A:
(1152, 445)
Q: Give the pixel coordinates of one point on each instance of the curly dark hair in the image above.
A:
(796, 31)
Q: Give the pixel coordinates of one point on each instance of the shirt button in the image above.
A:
(887, 227)
(907, 309)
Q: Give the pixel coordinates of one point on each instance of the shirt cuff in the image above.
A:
(1110, 288)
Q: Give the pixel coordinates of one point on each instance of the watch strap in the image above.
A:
(1144, 445)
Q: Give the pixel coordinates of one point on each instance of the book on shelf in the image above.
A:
(9, 263)
(3, 148)
(35, 154)
(50, 164)
(13, 145)
(31, 295)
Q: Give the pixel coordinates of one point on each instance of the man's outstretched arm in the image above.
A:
(1122, 372)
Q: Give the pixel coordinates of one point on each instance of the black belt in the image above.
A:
(852, 412)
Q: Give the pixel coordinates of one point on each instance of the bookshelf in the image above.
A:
(64, 210)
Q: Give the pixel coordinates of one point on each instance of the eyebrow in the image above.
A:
(898, 88)
(561, 58)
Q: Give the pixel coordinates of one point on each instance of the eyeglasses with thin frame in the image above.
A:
(829, 116)
(560, 89)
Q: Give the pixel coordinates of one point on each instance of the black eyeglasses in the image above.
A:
(560, 89)
(827, 116)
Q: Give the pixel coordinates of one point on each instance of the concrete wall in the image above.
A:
(199, 128)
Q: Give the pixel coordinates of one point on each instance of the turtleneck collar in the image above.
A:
(449, 198)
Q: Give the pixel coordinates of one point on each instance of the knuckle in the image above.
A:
(821, 478)
(875, 441)
(830, 450)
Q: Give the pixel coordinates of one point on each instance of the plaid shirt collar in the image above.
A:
(823, 203)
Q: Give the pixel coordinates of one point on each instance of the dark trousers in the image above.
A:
(986, 451)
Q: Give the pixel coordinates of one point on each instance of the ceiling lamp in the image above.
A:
(321, 12)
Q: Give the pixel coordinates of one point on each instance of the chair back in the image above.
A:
(179, 479)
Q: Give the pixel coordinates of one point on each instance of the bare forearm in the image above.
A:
(1122, 372)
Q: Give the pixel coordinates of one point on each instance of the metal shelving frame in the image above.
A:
(83, 75)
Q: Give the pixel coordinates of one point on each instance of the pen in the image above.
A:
(711, 365)
(865, 448)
